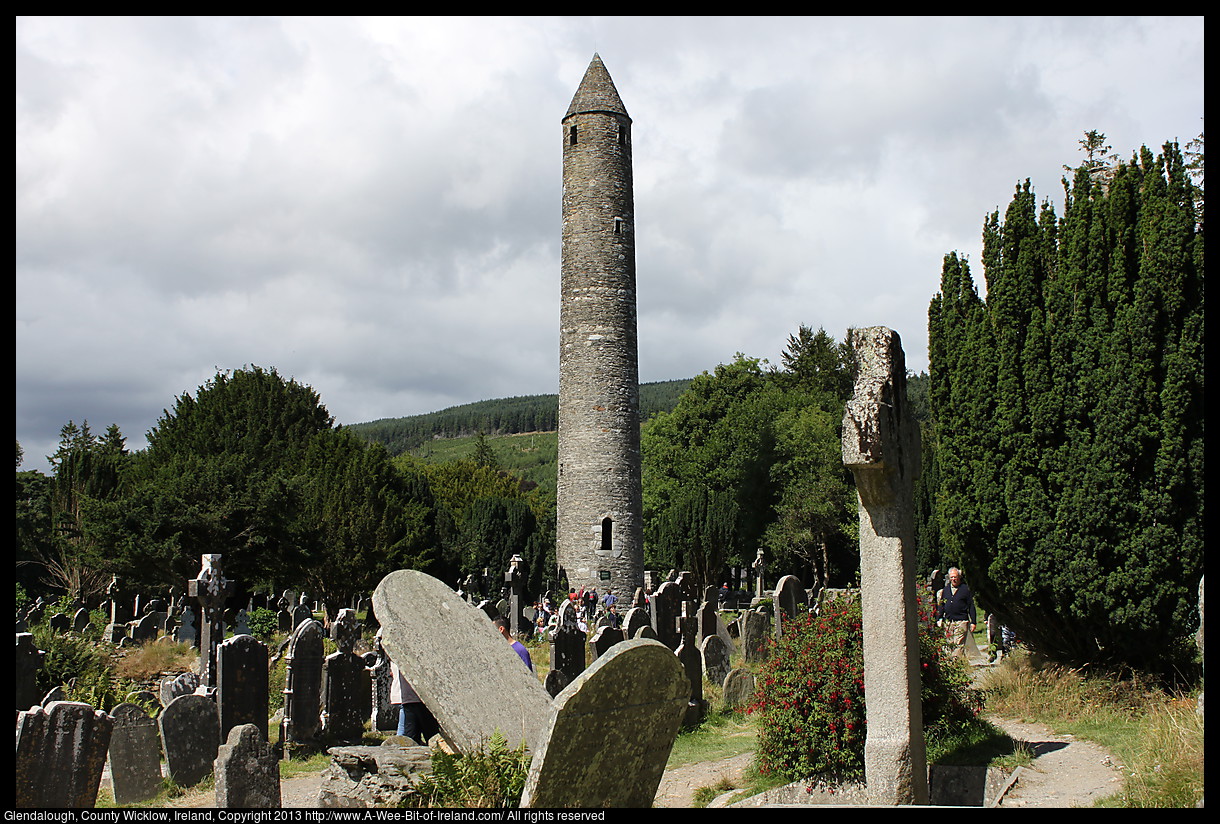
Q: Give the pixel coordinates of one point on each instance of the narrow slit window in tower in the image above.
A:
(622, 135)
(618, 225)
(572, 135)
(607, 534)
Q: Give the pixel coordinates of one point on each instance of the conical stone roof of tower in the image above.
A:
(596, 92)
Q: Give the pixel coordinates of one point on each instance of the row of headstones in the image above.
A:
(325, 696)
(62, 747)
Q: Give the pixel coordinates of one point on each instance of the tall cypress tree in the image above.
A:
(1069, 416)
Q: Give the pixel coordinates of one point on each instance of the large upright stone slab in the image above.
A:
(881, 447)
(610, 732)
(61, 749)
(241, 684)
(458, 663)
(29, 661)
(303, 684)
(135, 755)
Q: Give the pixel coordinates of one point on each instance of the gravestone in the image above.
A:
(645, 632)
(146, 628)
(346, 687)
(186, 633)
(759, 568)
(247, 774)
(210, 588)
(635, 618)
(715, 658)
(610, 732)
(739, 687)
(666, 607)
(29, 661)
(755, 627)
(301, 613)
(881, 447)
(61, 750)
(568, 650)
(789, 602)
(135, 755)
(173, 686)
(303, 684)
(241, 684)
(190, 736)
(692, 664)
(458, 663)
(59, 622)
(514, 578)
(80, 620)
(603, 639)
(384, 715)
(707, 613)
(555, 681)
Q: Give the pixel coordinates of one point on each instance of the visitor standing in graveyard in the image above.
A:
(518, 647)
(415, 720)
(956, 609)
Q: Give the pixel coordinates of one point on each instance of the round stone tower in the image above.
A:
(599, 527)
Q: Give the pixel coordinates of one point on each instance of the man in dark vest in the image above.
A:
(956, 611)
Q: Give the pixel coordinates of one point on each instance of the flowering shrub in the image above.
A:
(810, 699)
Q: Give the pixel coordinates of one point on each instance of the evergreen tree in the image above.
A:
(1069, 425)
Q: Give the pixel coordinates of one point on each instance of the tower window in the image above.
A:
(618, 225)
(571, 135)
(607, 534)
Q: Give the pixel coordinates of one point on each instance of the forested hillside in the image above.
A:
(503, 416)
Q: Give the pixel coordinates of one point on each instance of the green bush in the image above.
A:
(810, 700)
(76, 664)
(488, 777)
(263, 623)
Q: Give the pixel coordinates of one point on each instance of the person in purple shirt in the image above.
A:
(518, 647)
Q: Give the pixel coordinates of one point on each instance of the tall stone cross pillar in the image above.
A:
(210, 588)
(760, 568)
(515, 579)
(881, 447)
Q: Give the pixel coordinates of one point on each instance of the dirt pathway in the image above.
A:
(1066, 772)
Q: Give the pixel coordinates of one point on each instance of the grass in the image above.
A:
(1157, 737)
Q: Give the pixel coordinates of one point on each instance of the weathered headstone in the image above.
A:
(80, 620)
(666, 607)
(346, 687)
(61, 749)
(173, 686)
(186, 633)
(29, 661)
(739, 686)
(881, 447)
(247, 774)
(715, 658)
(692, 664)
(384, 715)
(514, 578)
(635, 618)
(190, 735)
(458, 663)
(135, 755)
(603, 639)
(789, 602)
(755, 627)
(610, 732)
(555, 681)
(241, 684)
(303, 684)
(568, 650)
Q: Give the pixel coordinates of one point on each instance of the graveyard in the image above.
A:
(593, 726)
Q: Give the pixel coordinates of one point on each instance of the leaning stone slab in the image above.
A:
(610, 731)
(61, 749)
(739, 687)
(458, 663)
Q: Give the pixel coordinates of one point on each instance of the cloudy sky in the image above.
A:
(371, 206)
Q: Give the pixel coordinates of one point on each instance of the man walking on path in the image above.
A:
(957, 611)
